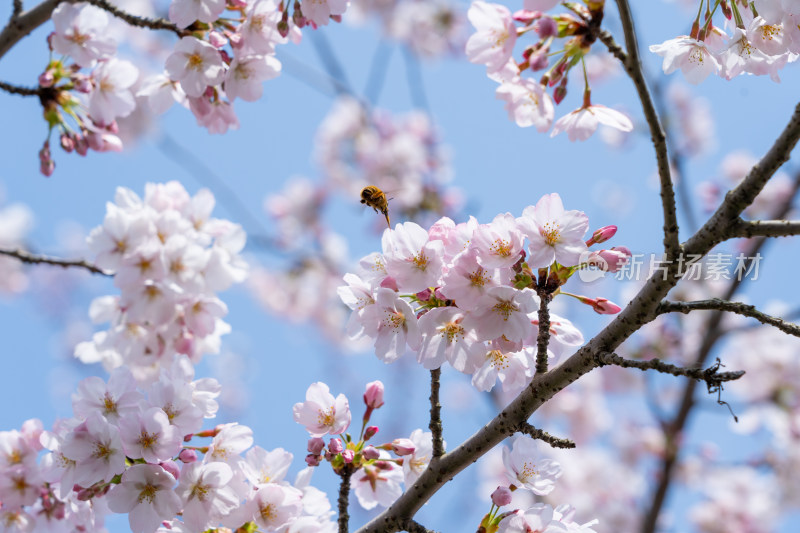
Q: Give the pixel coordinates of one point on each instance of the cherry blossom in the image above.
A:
(321, 413)
(184, 12)
(525, 471)
(146, 494)
(206, 494)
(196, 65)
(582, 123)
(496, 35)
(693, 57)
(554, 234)
(244, 77)
(82, 32)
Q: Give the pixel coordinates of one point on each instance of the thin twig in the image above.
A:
(344, 497)
(24, 23)
(542, 435)
(764, 228)
(435, 424)
(139, 22)
(633, 67)
(22, 91)
(710, 375)
(716, 304)
(27, 257)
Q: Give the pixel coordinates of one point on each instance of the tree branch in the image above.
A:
(139, 22)
(633, 66)
(435, 424)
(27, 257)
(415, 527)
(543, 337)
(22, 91)
(344, 497)
(710, 375)
(716, 304)
(542, 435)
(24, 23)
(764, 228)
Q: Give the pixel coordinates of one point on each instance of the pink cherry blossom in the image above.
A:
(261, 466)
(496, 35)
(161, 92)
(196, 65)
(184, 12)
(467, 282)
(416, 462)
(111, 97)
(504, 313)
(206, 494)
(146, 494)
(321, 413)
(259, 33)
(392, 323)
(231, 441)
(527, 103)
(499, 244)
(526, 470)
(150, 436)
(320, 11)
(554, 234)
(377, 486)
(512, 369)
(114, 400)
(82, 32)
(693, 57)
(96, 448)
(445, 338)
(582, 123)
(245, 75)
(413, 260)
(538, 518)
(273, 506)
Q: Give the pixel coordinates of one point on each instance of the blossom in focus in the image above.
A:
(111, 97)
(145, 494)
(582, 123)
(693, 57)
(196, 65)
(321, 413)
(82, 32)
(526, 470)
(496, 35)
(554, 234)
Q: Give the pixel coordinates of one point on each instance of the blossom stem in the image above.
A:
(344, 497)
(436, 414)
(543, 338)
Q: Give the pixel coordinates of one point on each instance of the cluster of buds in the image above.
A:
(527, 100)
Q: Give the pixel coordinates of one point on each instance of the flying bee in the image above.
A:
(376, 199)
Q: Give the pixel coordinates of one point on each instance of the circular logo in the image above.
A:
(593, 267)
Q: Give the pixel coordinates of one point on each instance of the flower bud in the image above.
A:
(605, 307)
(348, 455)
(316, 445)
(501, 496)
(560, 92)
(610, 260)
(403, 447)
(546, 27)
(370, 432)
(526, 16)
(335, 446)
(312, 460)
(171, 467)
(424, 296)
(216, 39)
(602, 235)
(373, 397)
(67, 142)
(187, 456)
(46, 78)
(370, 452)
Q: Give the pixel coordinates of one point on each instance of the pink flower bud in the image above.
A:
(312, 460)
(316, 445)
(348, 455)
(439, 295)
(526, 16)
(560, 92)
(610, 260)
(81, 144)
(389, 283)
(370, 432)
(172, 468)
(539, 61)
(602, 235)
(335, 446)
(373, 397)
(403, 447)
(216, 39)
(187, 456)
(501, 496)
(46, 78)
(605, 307)
(298, 18)
(370, 452)
(546, 27)
(67, 142)
(425, 295)
(83, 84)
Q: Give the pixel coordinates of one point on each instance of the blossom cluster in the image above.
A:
(401, 155)
(170, 258)
(15, 222)
(130, 450)
(475, 291)
(527, 100)
(758, 38)
(429, 28)
(226, 51)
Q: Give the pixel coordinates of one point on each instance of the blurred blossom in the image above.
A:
(16, 220)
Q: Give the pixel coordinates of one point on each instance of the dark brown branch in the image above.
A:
(542, 435)
(710, 375)
(139, 22)
(27, 257)
(415, 527)
(543, 337)
(17, 9)
(22, 91)
(716, 304)
(20, 26)
(344, 498)
(435, 424)
(764, 228)
(633, 66)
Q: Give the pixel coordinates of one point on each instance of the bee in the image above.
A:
(376, 199)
